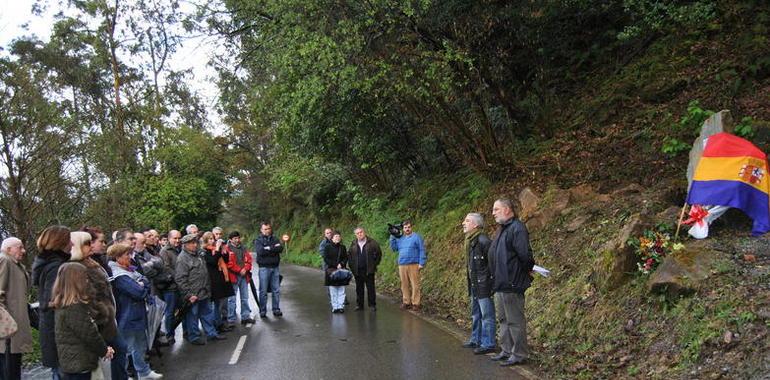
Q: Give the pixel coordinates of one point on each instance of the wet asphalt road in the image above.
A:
(309, 342)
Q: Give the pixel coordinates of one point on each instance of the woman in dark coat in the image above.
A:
(54, 246)
(335, 258)
(221, 288)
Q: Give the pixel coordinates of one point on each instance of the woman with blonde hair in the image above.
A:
(78, 341)
(54, 245)
(14, 286)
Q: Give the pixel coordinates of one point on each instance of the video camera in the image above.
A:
(396, 230)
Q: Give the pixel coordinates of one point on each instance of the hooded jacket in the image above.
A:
(131, 290)
(44, 271)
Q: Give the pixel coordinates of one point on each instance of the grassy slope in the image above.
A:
(610, 135)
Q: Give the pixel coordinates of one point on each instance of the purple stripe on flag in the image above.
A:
(736, 194)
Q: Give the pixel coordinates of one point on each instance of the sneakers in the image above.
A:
(470, 345)
(277, 313)
(151, 375)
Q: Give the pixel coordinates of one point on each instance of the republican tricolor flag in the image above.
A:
(733, 172)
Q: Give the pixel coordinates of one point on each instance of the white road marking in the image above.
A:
(238, 349)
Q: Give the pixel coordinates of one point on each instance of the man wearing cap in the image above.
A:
(192, 277)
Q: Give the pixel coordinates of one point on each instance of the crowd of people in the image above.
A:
(95, 298)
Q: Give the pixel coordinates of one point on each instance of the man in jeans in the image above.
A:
(165, 282)
(511, 261)
(268, 250)
(239, 269)
(192, 277)
(476, 247)
(411, 260)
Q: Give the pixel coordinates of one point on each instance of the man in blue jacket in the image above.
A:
(511, 261)
(411, 259)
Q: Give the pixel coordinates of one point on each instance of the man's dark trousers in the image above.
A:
(367, 280)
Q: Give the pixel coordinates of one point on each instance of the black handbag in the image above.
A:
(34, 315)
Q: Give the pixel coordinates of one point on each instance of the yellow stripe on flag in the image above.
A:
(749, 170)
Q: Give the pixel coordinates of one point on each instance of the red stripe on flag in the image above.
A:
(727, 145)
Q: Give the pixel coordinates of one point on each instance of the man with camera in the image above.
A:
(411, 259)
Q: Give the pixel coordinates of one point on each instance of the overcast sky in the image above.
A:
(194, 53)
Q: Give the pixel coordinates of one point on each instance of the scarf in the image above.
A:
(238, 251)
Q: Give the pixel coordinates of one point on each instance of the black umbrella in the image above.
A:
(180, 312)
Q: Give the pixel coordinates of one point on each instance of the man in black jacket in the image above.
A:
(511, 262)
(364, 257)
(476, 248)
(268, 250)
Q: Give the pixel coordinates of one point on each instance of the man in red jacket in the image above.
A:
(239, 268)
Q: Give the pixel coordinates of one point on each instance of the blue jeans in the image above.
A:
(118, 363)
(169, 297)
(483, 325)
(216, 309)
(241, 288)
(200, 311)
(337, 295)
(269, 276)
(136, 341)
(55, 374)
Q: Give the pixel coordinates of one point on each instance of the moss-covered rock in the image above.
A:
(684, 272)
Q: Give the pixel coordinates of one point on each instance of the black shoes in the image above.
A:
(263, 315)
(218, 337)
(483, 351)
(198, 342)
(470, 345)
(277, 313)
(513, 360)
(248, 320)
(359, 308)
(373, 308)
(499, 357)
